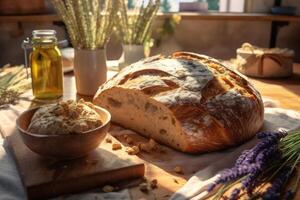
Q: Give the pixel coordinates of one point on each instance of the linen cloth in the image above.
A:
(275, 119)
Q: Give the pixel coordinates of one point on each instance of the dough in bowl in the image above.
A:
(187, 101)
(68, 117)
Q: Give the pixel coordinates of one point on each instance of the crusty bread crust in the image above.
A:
(212, 106)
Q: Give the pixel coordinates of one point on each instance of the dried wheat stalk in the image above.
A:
(89, 22)
(13, 83)
(134, 27)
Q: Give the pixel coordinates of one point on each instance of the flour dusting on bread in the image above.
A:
(188, 101)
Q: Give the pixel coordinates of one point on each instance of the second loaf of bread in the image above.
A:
(187, 101)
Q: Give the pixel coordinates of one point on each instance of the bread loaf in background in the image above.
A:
(187, 101)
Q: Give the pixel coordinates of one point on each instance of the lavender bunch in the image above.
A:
(273, 159)
(273, 192)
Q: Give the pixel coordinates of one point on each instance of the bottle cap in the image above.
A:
(43, 33)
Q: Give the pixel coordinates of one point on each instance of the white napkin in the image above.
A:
(195, 188)
(10, 183)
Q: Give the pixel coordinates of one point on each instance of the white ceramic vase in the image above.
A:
(132, 53)
(90, 70)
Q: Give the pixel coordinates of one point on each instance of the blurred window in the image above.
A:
(194, 5)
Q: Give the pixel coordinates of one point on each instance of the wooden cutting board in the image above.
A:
(44, 178)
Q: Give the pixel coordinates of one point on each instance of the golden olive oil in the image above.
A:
(46, 65)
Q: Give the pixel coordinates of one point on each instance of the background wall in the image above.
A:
(218, 39)
(12, 35)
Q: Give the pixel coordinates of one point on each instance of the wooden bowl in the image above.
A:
(63, 146)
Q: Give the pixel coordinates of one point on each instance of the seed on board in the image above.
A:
(176, 181)
(108, 188)
(144, 187)
(116, 146)
(108, 140)
(153, 184)
(178, 170)
(133, 150)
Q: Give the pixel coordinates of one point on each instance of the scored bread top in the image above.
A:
(202, 93)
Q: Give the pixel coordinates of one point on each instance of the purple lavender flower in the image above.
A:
(233, 173)
(273, 192)
(234, 194)
(261, 162)
(288, 195)
(211, 187)
(264, 156)
(228, 175)
(250, 182)
(265, 142)
(251, 163)
(278, 134)
(242, 157)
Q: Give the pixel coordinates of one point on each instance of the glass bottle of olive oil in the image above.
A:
(46, 65)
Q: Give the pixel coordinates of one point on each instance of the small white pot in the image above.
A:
(90, 70)
(132, 53)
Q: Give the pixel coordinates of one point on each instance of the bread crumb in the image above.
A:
(108, 188)
(129, 140)
(108, 140)
(116, 146)
(144, 187)
(151, 145)
(145, 179)
(145, 147)
(178, 170)
(153, 184)
(133, 150)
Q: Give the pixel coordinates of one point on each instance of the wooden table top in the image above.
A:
(160, 166)
(285, 91)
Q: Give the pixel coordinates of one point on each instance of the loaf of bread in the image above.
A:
(68, 117)
(187, 101)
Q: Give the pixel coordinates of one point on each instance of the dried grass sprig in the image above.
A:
(134, 27)
(13, 83)
(89, 22)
